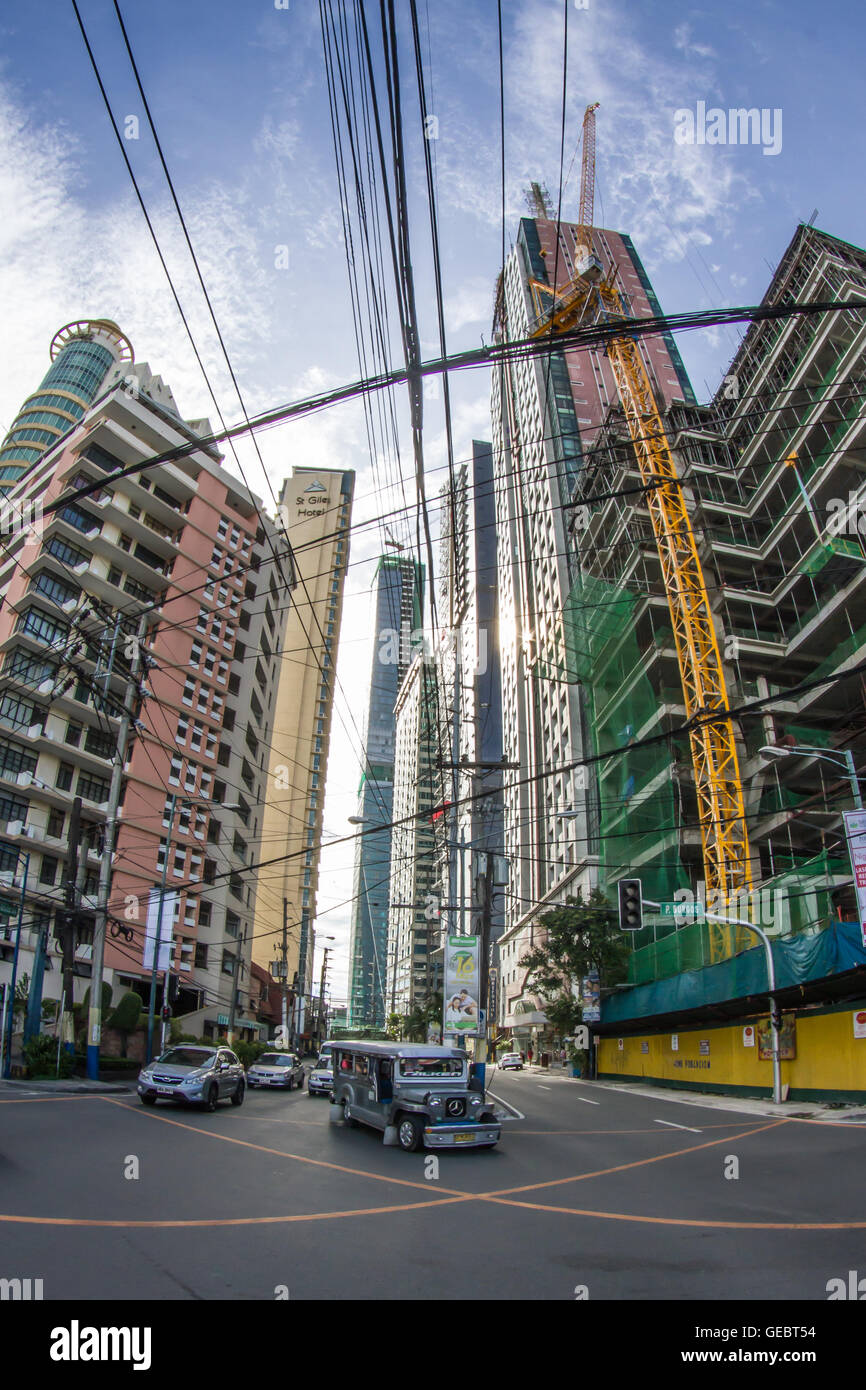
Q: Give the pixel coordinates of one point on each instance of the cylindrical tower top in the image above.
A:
(83, 354)
(104, 330)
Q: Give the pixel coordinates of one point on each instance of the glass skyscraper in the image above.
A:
(398, 598)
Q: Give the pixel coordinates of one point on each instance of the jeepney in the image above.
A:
(417, 1094)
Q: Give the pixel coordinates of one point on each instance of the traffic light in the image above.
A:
(166, 1012)
(630, 904)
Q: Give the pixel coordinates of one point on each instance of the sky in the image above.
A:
(239, 99)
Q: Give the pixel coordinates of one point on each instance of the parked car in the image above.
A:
(321, 1079)
(418, 1094)
(278, 1069)
(194, 1075)
(511, 1060)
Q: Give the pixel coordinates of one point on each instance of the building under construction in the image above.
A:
(659, 560)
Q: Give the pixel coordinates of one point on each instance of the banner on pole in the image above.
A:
(855, 830)
(462, 1005)
(159, 930)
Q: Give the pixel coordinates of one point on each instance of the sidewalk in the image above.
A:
(75, 1086)
(744, 1105)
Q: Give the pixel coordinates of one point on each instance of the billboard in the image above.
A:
(462, 1004)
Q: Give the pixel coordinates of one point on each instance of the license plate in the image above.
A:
(464, 1138)
(165, 1090)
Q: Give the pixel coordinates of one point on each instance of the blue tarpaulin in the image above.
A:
(797, 959)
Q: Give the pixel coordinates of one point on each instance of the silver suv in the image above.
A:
(197, 1075)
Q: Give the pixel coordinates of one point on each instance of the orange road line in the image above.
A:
(230, 1220)
(687, 1221)
(299, 1158)
(636, 1163)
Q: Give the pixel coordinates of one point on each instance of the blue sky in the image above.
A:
(239, 98)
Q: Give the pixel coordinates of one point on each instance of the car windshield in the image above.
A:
(275, 1059)
(324, 1061)
(430, 1066)
(188, 1056)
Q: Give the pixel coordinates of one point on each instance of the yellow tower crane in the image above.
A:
(718, 786)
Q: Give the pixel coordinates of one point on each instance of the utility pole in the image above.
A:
(65, 926)
(484, 889)
(322, 994)
(236, 973)
(285, 953)
(94, 1022)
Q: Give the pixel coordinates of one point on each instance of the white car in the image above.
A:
(279, 1069)
(511, 1060)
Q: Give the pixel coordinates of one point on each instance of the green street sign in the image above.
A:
(690, 910)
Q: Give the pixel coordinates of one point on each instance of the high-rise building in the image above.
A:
(547, 411)
(413, 927)
(171, 558)
(470, 690)
(315, 510)
(398, 586)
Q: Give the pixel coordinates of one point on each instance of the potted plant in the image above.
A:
(576, 1057)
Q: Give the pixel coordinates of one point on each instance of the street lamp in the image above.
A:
(777, 753)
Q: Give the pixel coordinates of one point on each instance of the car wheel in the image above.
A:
(347, 1117)
(409, 1133)
(148, 1100)
(212, 1098)
(238, 1096)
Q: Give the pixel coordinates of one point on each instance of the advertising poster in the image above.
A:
(859, 1017)
(855, 829)
(748, 1036)
(161, 928)
(590, 998)
(461, 998)
(787, 1039)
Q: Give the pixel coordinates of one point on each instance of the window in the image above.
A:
(174, 771)
(204, 914)
(93, 788)
(48, 870)
(55, 589)
(43, 628)
(13, 807)
(65, 774)
(201, 621)
(197, 735)
(233, 924)
(188, 690)
(195, 654)
(15, 713)
(56, 822)
(13, 759)
(182, 730)
(200, 955)
(228, 963)
(66, 552)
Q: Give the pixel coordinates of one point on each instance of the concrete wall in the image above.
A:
(830, 1062)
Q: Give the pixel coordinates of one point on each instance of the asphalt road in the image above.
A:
(622, 1194)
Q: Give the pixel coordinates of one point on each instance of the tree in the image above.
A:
(579, 937)
(125, 1017)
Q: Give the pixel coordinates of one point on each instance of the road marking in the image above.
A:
(503, 1197)
(673, 1126)
(587, 1101)
(518, 1114)
(543, 1088)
